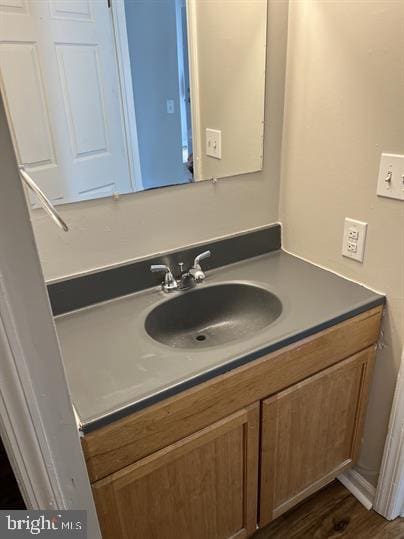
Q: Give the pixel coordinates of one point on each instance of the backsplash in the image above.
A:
(117, 281)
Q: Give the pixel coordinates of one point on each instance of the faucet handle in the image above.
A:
(202, 256)
(159, 267)
(169, 282)
(196, 271)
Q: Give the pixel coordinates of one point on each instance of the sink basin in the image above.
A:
(212, 315)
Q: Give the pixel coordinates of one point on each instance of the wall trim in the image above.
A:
(119, 30)
(359, 487)
(193, 59)
(37, 421)
(389, 501)
(19, 437)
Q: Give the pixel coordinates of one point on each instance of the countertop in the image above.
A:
(114, 368)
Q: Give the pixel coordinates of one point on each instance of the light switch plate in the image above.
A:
(390, 183)
(170, 106)
(353, 244)
(214, 143)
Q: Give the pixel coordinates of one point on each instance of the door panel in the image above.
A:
(311, 432)
(85, 110)
(78, 10)
(29, 119)
(204, 487)
(61, 87)
(14, 6)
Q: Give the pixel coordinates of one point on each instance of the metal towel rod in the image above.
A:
(44, 201)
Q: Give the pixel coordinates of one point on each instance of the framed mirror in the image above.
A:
(108, 97)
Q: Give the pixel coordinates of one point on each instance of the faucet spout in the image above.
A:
(188, 279)
(169, 284)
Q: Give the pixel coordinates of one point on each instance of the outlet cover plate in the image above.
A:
(354, 240)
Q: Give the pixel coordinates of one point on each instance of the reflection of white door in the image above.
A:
(61, 88)
(183, 77)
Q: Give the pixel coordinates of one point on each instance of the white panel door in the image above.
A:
(60, 83)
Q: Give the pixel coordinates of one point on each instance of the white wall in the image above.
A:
(344, 107)
(104, 232)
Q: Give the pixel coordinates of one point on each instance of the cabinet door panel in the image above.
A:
(311, 432)
(204, 487)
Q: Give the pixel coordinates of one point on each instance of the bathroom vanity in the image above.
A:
(211, 439)
(211, 393)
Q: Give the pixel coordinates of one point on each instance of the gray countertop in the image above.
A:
(114, 367)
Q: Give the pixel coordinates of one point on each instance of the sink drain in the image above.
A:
(200, 337)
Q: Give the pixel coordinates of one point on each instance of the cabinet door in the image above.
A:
(311, 433)
(202, 487)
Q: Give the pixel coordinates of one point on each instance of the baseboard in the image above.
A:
(359, 487)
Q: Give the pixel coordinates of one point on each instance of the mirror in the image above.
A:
(108, 97)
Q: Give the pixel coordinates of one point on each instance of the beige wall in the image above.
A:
(231, 45)
(105, 232)
(344, 107)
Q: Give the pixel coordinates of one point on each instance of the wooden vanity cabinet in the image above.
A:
(201, 487)
(311, 432)
(214, 461)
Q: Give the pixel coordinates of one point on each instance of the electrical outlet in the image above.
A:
(353, 245)
(353, 234)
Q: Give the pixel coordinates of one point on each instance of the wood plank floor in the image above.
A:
(332, 512)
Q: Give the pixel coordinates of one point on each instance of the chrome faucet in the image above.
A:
(169, 284)
(187, 279)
